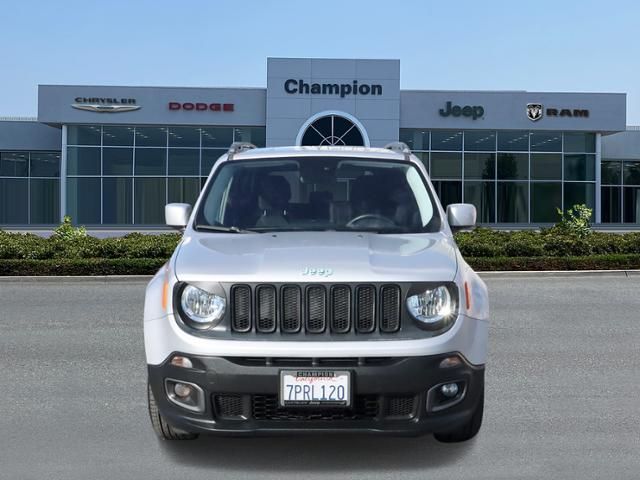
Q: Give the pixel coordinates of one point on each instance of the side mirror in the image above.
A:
(461, 215)
(176, 215)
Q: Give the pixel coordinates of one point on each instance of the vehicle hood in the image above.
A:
(333, 256)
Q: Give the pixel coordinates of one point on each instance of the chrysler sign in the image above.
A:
(105, 104)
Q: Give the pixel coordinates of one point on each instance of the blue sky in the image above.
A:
(476, 45)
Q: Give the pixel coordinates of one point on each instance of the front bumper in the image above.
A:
(390, 395)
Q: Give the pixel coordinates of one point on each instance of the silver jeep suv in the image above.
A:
(317, 289)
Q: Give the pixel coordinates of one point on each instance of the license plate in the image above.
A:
(315, 387)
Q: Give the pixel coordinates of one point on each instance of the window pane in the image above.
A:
(209, 158)
(446, 165)
(546, 166)
(448, 192)
(45, 164)
(151, 136)
(513, 140)
(579, 193)
(579, 167)
(184, 161)
(45, 201)
(255, 135)
(414, 138)
(83, 135)
(546, 198)
(116, 201)
(480, 165)
(83, 200)
(184, 137)
(479, 140)
(631, 173)
(83, 161)
(546, 141)
(118, 136)
(184, 190)
(14, 164)
(117, 161)
(611, 212)
(424, 158)
(632, 205)
(446, 140)
(513, 166)
(221, 137)
(611, 173)
(150, 200)
(580, 142)
(151, 161)
(482, 195)
(513, 202)
(14, 201)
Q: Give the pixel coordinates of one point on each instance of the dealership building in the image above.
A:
(113, 156)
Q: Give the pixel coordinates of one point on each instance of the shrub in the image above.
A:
(67, 231)
(575, 221)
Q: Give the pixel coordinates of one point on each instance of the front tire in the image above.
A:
(163, 430)
(466, 431)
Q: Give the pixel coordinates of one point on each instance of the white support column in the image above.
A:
(598, 178)
(63, 174)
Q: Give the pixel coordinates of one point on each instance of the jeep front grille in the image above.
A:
(316, 308)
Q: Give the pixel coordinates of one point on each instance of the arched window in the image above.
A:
(333, 129)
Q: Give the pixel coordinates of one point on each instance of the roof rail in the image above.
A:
(399, 147)
(237, 147)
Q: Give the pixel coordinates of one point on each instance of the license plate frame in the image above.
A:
(343, 378)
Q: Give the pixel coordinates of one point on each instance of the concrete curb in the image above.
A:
(77, 279)
(146, 278)
(559, 273)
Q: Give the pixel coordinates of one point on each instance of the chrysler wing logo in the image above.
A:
(96, 107)
(534, 111)
(105, 104)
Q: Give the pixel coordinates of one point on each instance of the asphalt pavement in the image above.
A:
(562, 399)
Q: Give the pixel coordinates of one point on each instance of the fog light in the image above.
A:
(449, 390)
(183, 391)
(185, 394)
(180, 361)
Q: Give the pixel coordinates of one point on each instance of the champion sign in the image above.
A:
(300, 87)
(201, 106)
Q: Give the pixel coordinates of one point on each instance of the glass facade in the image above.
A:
(511, 176)
(620, 191)
(29, 188)
(124, 175)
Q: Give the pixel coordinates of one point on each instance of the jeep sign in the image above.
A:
(475, 111)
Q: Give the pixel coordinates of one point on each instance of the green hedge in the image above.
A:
(133, 245)
(483, 242)
(81, 266)
(74, 253)
(149, 266)
(593, 262)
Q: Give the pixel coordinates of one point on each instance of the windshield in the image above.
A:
(318, 193)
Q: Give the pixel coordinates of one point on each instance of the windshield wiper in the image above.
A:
(221, 228)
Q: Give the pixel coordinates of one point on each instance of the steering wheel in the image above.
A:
(372, 217)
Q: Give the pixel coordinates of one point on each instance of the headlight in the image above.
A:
(202, 308)
(434, 307)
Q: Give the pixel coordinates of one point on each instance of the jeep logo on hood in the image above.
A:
(319, 272)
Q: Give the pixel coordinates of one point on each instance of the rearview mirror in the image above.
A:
(461, 215)
(176, 215)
